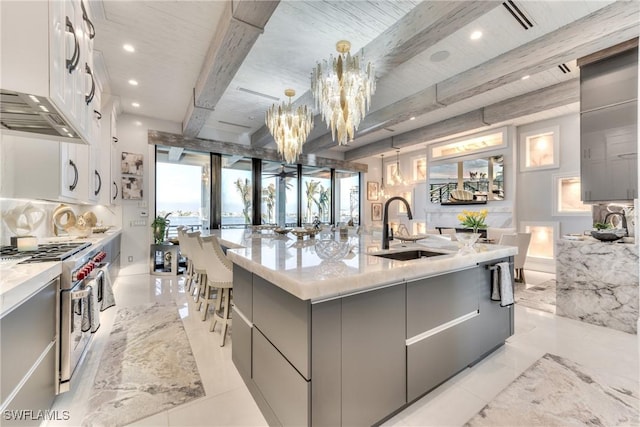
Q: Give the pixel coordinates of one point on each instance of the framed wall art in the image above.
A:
(372, 190)
(376, 211)
(131, 188)
(131, 164)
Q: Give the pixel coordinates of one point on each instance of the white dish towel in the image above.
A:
(502, 285)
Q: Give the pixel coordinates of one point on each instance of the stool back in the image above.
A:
(218, 267)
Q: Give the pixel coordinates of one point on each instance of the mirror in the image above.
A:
(474, 181)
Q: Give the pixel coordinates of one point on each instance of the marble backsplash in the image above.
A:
(106, 215)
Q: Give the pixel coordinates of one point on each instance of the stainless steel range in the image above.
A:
(81, 274)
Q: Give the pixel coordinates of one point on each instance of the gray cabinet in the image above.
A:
(608, 128)
(373, 355)
(27, 338)
(441, 313)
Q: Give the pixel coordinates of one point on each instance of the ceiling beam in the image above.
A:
(612, 24)
(533, 102)
(240, 26)
(155, 137)
(424, 26)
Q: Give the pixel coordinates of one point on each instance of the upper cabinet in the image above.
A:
(47, 69)
(609, 125)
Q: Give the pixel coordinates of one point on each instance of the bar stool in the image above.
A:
(219, 276)
(198, 270)
(521, 240)
(184, 251)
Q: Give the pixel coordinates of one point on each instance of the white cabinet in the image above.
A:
(43, 169)
(116, 183)
(110, 154)
(47, 52)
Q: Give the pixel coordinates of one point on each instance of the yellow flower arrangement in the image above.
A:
(473, 219)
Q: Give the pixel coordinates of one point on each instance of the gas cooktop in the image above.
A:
(45, 252)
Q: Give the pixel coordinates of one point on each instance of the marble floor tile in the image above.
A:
(227, 401)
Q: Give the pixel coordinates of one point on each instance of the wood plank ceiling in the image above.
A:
(217, 66)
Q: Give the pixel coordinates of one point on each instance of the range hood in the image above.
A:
(22, 112)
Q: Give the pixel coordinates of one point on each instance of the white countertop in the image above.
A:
(20, 281)
(294, 265)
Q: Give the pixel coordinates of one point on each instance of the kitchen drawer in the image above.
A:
(25, 333)
(285, 390)
(436, 358)
(36, 394)
(285, 320)
(241, 349)
(434, 301)
(243, 291)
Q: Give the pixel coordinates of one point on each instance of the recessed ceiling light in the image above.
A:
(135, 104)
(133, 82)
(128, 47)
(525, 77)
(440, 56)
(476, 35)
(413, 118)
(138, 123)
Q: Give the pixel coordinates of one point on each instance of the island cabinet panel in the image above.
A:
(373, 355)
(495, 323)
(286, 321)
(284, 389)
(441, 313)
(243, 291)
(242, 315)
(326, 369)
(434, 301)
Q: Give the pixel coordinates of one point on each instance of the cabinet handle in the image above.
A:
(91, 29)
(88, 98)
(114, 139)
(98, 114)
(73, 62)
(115, 196)
(99, 182)
(75, 178)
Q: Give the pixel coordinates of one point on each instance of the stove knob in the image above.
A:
(80, 275)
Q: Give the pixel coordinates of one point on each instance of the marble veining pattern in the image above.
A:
(540, 297)
(598, 283)
(147, 367)
(555, 391)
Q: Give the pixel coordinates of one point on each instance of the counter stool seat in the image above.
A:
(220, 277)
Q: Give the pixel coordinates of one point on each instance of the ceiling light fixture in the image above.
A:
(525, 77)
(397, 177)
(290, 127)
(133, 82)
(381, 191)
(412, 118)
(476, 35)
(342, 88)
(129, 48)
(135, 104)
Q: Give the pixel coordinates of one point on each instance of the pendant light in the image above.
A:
(381, 191)
(290, 127)
(398, 178)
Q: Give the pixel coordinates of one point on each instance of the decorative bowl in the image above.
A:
(311, 232)
(332, 249)
(467, 239)
(607, 235)
(299, 233)
(282, 230)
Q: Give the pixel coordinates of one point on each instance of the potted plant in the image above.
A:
(159, 225)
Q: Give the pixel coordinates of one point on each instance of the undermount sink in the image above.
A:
(409, 255)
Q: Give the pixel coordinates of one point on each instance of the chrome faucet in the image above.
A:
(624, 220)
(385, 219)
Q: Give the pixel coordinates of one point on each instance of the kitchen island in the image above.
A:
(597, 283)
(352, 341)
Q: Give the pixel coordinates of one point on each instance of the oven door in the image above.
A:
(73, 341)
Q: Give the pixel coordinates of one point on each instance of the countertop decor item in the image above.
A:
(282, 230)
(342, 88)
(290, 127)
(299, 233)
(473, 219)
(332, 249)
(63, 219)
(24, 219)
(610, 235)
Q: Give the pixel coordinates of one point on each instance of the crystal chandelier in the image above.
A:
(289, 126)
(342, 88)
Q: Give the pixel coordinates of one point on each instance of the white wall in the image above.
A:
(132, 138)
(534, 196)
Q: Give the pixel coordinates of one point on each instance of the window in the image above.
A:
(347, 197)
(182, 187)
(236, 191)
(279, 195)
(316, 194)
